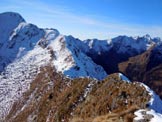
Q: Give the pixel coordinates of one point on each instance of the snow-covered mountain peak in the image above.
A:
(8, 21)
(26, 49)
(12, 15)
(157, 40)
(122, 44)
(62, 58)
(5, 20)
(67, 53)
(49, 36)
(98, 45)
(147, 36)
(22, 39)
(139, 44)
(69, 58)
(25, 34)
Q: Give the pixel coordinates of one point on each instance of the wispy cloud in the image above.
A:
(82, 26)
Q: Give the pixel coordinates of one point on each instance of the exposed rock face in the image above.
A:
(109, 53)
(145, 68)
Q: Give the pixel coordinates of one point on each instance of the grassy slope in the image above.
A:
(56, 98)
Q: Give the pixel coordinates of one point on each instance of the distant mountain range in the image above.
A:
(77, 80)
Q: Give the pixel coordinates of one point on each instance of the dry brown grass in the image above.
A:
(60, 101)
(39, 89)
(104, 118)
(124, 116)
(112, 95)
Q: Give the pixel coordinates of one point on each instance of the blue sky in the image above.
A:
(92, 18)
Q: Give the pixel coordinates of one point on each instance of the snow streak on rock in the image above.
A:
(147, 115)
(155, 102)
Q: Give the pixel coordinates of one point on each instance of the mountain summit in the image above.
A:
(74, 78)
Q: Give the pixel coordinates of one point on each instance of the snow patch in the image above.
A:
(153, 116)
(72, 61)
(98, 45)
(63, 59)
(155, 102)
(123, 77)
(18, 75)
(23, 39)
